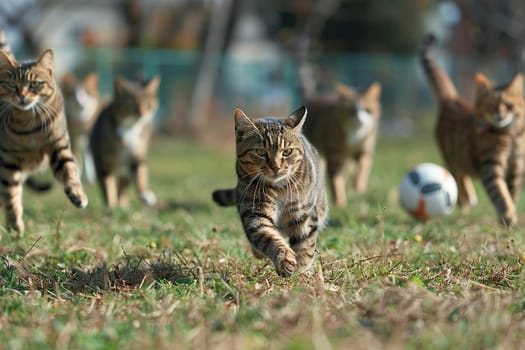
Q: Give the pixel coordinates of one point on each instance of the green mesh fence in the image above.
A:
(269, 85)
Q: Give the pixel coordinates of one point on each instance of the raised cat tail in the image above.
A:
(224, 198)
(440, 81)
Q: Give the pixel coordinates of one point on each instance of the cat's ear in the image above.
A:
(345, 91)
(374, 91)
(6, 60)
(241, 119)
(152, 86)
(91, 82)
(120, 85)
(297, 118)
(47, 61)
(67, 79)
(482, 82)
(515, 87)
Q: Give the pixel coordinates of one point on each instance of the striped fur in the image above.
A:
(485, 139)
(33, 133)
(120, 138)
(443, 87)
(343, 126)
(279, 194)
(82, 104)
(32, 183)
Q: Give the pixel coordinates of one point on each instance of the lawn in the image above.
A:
(181, 275)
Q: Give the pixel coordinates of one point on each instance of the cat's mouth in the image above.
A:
(24, 105)
(274, 177)
(501, 121)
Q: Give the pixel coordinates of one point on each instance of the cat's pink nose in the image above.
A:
(275, 168)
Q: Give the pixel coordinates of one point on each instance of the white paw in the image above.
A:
(149, 198)
(83, 203)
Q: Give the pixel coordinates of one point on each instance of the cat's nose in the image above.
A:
(275, 168)
(22, 100)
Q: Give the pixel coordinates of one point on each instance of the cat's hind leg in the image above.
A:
(467, 197)
(364, 163)
(139, 171)
(304, 247)
(337, 180)
(122, 191)
(11, 199)
(108, 187)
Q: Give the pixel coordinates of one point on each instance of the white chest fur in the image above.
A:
(130, 131)
(365, 124)
(88, 104)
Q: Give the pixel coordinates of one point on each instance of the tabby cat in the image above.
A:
(279, 194)
(343, 126)
(82, 102)
(31, 182)
(33, 133)
(485, 140)
(120, 138)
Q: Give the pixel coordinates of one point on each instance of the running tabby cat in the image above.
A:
(82, 102)
(120, 138)
(485, 140)
(33, 133)
(31, 182)
(343, 126)
(279, 193)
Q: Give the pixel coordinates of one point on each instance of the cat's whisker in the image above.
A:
(41, 116)
(248, 187)
(256, 191)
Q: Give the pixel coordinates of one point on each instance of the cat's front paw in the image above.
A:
(148, 198)
(257, 253)
(509, 219)
(286, 263)
(76, 196)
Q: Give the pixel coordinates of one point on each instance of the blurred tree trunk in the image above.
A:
(132, 10)
(210, 64)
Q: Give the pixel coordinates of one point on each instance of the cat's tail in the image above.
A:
(441, 84)
(37, 185)
(224, 198)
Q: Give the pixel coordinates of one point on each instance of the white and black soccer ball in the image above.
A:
(428, 191)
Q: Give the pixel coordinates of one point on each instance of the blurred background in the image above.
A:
(215, 55)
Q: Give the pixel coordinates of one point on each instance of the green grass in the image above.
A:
(181, 275)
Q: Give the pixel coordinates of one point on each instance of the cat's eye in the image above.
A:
(35, 84)
(261, 152)
(11, 84)
(287, 152)
(508, 106)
